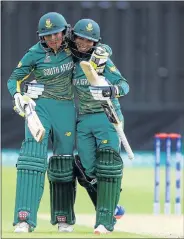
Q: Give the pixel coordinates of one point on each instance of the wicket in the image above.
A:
(168, 138)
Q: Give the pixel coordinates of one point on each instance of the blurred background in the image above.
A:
(147, 42)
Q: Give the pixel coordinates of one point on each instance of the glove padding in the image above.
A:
(98, 59)
(33, 90)
(103, 92)
(20, 103)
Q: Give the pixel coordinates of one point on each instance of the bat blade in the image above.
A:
(34, 124)
(92, 76)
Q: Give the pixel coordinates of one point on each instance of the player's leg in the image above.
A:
(85, 164)
(85, 160)
(90, 184)
(109, 167)
(86, 144)
(31, 168)
(60, 171)
(62, 191)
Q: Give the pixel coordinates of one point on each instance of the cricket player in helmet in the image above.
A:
(51, 63)
(97, 140)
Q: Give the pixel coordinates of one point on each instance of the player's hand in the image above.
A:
(20, 103)
(104, 92)
(33, 90)
(98, 59)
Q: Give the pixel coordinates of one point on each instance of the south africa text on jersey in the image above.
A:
(81, 82)
(58, 69)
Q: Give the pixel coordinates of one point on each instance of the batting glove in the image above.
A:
(20, 103)
(104, 92)
(98, 59)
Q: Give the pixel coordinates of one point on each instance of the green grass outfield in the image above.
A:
(136, 197)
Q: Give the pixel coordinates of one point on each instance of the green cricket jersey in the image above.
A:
(87, 104)
(52, 70)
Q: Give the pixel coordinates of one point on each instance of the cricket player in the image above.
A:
(98, 144)
(83, 179)
(52, 64)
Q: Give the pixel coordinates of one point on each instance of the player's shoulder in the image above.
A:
(34, 52)
(37, 48)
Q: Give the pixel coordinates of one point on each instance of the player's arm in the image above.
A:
(115, 78)
(20, 73)
(24, 105)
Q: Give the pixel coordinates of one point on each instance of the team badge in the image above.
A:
(48, 23)
(68, 134)
(89, 27)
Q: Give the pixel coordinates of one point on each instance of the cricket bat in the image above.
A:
(95, 80)
(34, 124)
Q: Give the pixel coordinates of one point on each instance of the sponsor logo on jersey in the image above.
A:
(47, 58)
